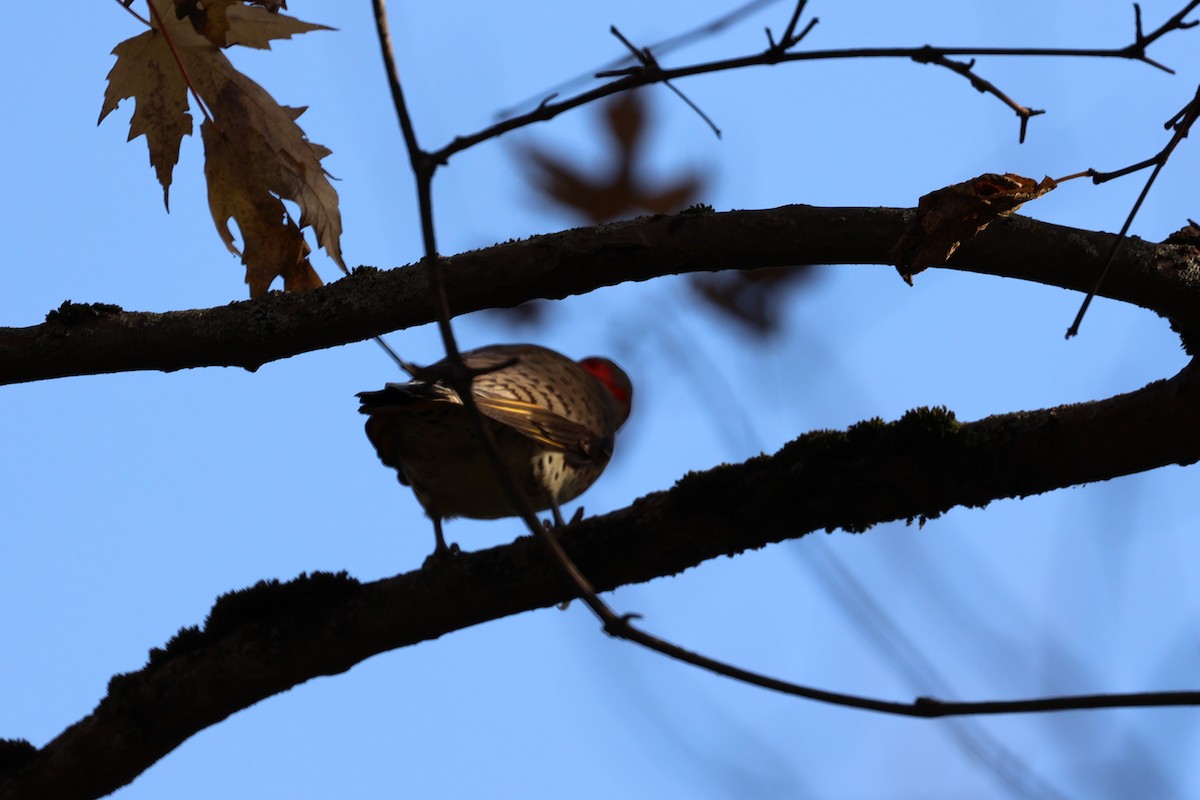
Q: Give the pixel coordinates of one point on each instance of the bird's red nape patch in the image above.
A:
(602, 370)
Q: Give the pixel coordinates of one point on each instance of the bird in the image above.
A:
(553, 420)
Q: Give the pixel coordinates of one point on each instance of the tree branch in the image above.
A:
(90, 340)
(1182, 124)
(779, 52)
(265, 640)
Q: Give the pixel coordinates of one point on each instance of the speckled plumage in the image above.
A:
(553, 419)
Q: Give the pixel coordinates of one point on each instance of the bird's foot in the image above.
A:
(557, 522)
(441, 555)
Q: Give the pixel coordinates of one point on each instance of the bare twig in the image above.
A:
(1182, 123)
(662, 47)
(924, 707)
(775, 53)
(461, 378)
(981, 85)
(790, 38)
(650, 65)
(1141, 41)
(128, 6)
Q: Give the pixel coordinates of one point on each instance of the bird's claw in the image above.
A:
(443, 554)
(558, 522)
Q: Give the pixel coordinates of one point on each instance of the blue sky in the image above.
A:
(132, 501)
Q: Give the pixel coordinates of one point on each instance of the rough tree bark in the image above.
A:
(265, 640)
(91, 340)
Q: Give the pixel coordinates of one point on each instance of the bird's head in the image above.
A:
(614, 379)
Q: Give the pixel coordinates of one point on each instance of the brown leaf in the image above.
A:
(274, 244)
(274, 154)
(948, 217)
(753, 297)
(256, 155)
(620, 191)
(146, 71)
(627, 123)
(253, 23)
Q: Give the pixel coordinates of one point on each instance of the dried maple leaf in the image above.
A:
(274, 244)
(948, 217)
(273, 155)
(620, 192)
(256, 154)
(146, 71)
(252, 24)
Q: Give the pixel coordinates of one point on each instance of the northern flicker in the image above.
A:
(553, 421)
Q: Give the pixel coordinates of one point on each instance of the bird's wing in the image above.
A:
(578, 441)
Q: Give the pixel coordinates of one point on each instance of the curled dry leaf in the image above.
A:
(272, 158)
(256, 154)
(253, 23)
(948, 217)
(274, 243)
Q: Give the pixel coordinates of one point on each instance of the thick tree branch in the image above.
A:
(265, 640)
(94, 340)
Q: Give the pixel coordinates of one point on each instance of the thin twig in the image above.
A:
(790, 38)
(407, 366)
(1181, 123)
(925, 707)
(661, 48)
(649, 64)
(460, 377)
(789, 33)
(127, 5)
(981, 85)
(626, 79)
(1141, 41)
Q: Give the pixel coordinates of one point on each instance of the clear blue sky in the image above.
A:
(131, 501)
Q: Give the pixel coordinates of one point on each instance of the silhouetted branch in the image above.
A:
(1024, 113)
(1141, 41)
(779, 52)
(99, 339)
(265, 640)
(790, 38)
(1181, 123)
(660, 47)
(650, 65)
